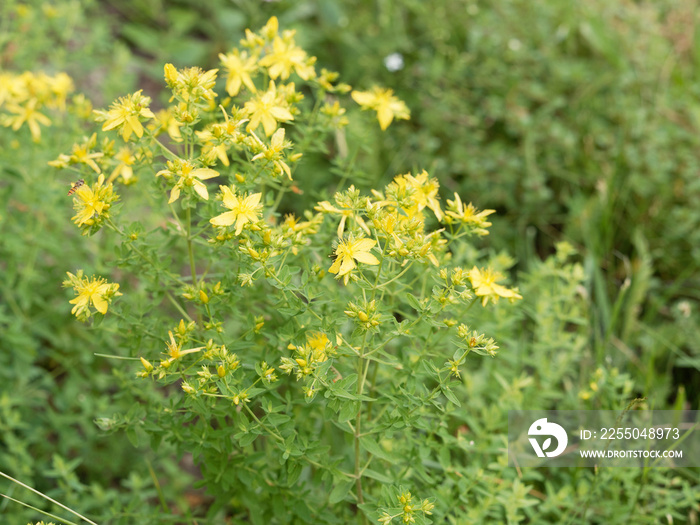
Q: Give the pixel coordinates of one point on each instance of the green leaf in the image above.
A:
(245, 439)
(293, 472)
(132, 436)
(450, 395)
(348, 410)
(377, 475)
(341, 489)
(277, 419)
(371, 446)
(414, 302)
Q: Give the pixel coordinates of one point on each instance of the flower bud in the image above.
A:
(148, 366)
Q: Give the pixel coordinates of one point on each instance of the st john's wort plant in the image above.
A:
(301, 359)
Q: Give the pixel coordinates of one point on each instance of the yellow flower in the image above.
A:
(319, 346)
(92, 205)
(275, 152)
(124, 168)
(175, 350)
(325, 81)
(269, 109)
(191, 84)
(165, 121)
(243, 210)
(345, 212)
(485, 286)
(218, 136)
(425, 191)
(468, 215)
(269, 30)
(27, 113)
(189, 177)
(349, 251)
(94, 290)
(335, 114)
(285, 57)
(61, 85)
(307, 358)
(80, 154)
(384, 103)
(239, 66)
(125, 114)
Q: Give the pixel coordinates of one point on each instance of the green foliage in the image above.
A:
(576, 122)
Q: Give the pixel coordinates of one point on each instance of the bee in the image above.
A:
(75, 185)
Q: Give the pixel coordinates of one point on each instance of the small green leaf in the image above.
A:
(414, 302)
(132, 436)
(293, 472)
(341, 489)
(371, 446)
(348, 410)
(447, 392)
(377, 475)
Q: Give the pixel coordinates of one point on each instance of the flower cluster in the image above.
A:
(24, 96)
(308, 358)
(364, 314)
(396, 217)
(88, 157)
(406, 509)
(475, 341)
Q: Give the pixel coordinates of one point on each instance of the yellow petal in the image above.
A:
(201, 190)
(252, 200)
(225, 219)
(363, 245)
(205, 173)
(363, 98)
(230, 199)
(366, 258)
(384, 116)
(174, 195)
(346, 265)
(100, 304)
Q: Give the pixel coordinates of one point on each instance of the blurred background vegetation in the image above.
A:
(577, 121)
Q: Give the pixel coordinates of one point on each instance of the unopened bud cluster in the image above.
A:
(476, 341)
(365, 315)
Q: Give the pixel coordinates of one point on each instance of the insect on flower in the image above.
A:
(75, 185)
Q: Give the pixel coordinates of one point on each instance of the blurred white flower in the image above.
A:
(394, 62)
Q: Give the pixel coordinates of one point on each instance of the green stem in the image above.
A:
(399, 275)
(35, 509)
(190, 251)
(362, 368)
(46, 497)
(358, 423)
(177, 305)
(278, 199)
